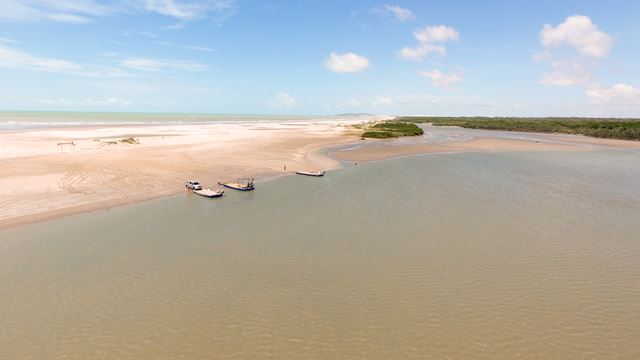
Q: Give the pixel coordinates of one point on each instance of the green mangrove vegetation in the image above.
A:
(613, 128)
(392, 129)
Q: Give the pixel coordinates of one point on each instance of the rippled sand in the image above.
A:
(475, 255)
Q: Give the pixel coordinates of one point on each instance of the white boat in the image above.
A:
(241, 184)
(311, 173)
(209, 193)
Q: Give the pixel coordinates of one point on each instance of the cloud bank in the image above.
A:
(346, 63)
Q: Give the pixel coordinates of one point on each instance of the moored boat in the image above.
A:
(310, 173)
(241, 184)
(209, 193)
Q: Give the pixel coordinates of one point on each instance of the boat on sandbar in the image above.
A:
(240, 184)
(311, 173)
(209, 193)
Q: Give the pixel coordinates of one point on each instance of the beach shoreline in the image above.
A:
(43, 181)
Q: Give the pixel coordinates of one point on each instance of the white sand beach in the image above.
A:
(40, 180)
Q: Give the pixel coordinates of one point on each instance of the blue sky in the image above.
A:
(567, 58)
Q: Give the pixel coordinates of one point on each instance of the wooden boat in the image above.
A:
(241, 184)
(311, 173)
(209, 193)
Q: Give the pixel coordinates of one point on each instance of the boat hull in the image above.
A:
(209, 193)
(314, 174)
(241, 188)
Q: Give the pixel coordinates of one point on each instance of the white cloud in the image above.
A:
(14, 58)
(617, 95)
(440, 33)
(155, 65)
(399, 13)
(18, 59)
(67, 103)
(440, 79)
(383, 102)
(188, 47)
(11, 57)
(284, 101)
(147, 34)
(419, 52)
(572, 49)
(430, 40)
(6, 40)
(199, 48)
(85, 11)
(188, 10)
(65, 11)
(70, 19)
(346, 63)
(85, 102)
(566, 73)
(89, 7)
(177, 26)
(176, 9)
(579, 33)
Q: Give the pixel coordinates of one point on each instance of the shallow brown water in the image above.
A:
(503, 255)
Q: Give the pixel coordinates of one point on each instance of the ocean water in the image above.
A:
(474, 255)
(21, 120)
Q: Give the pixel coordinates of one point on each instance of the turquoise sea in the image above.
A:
(20, 120)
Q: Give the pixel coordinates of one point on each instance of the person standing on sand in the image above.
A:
(285, 168)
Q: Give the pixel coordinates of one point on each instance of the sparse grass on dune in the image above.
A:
(127, 140)
(130, 140)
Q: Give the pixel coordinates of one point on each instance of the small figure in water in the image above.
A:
(285, 168)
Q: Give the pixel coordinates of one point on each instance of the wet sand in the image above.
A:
(381, 151)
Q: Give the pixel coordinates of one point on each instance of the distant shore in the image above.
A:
(606, 128)
(58, 171)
